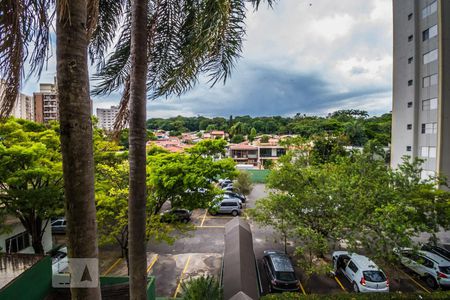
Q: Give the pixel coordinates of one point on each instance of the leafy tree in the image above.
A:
(327, 148)
(252, 135)
(268, 164)
(243, 183)
(204, 287)
(264, 139)
(31, 186)
(238, 138)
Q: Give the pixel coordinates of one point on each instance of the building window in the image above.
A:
(410, 104)
(410, 60)
(430, 104)
(430, 56)
(408, 148)
(430, 80)
(410, 38)
(429, 128)
(409, 126)
(17, 243)
(410, 16)
(428, 152)
(429, 9)
(410, 82)
(430, 33)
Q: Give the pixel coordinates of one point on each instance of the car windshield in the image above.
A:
(445, 269)
(374, 276)
(286, 276)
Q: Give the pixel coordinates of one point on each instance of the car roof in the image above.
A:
(434, 257)
(230, 200)
(363, 262)
(280, 262)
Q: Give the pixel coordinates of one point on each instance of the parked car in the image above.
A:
(228, 188)
(226, 206)
(224, 182)
(236, 195)
(228, 196)
(176, 215)
(361, 271)
(280, 272)
(437, 250)
(434, 268)
(59, 226)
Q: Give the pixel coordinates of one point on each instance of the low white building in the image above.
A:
(17, 240)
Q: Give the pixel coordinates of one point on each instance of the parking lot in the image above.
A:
(200, 252)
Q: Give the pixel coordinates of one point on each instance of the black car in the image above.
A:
(280, 272)
(176, 215)
(236, 195)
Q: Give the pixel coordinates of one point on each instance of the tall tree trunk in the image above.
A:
(137, 154)
(76, 134)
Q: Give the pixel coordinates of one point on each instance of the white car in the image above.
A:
(363, 273)
(434, 268)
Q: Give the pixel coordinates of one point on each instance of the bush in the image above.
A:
(200, 288)
(243, 183)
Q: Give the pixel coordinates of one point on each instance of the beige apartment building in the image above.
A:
(46, 103)
(23, 107)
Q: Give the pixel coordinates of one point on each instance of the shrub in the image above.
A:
(206, 287)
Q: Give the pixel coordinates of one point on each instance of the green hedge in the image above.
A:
(352, 296)
(259, 176)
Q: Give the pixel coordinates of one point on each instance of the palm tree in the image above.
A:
(25, 34)
(184, 39)
(72, 41)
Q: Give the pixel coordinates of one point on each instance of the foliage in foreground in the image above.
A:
(323, 198)
(352, 296)
(243, 183)
(205, 287)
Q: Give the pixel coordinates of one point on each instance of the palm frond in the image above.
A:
(24, 25)
(123, 116)
(110, 17)
(114, 72)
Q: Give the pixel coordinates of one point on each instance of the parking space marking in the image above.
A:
(112, 266)
(301, 287)
(340, 283)
(204, 217)
(150, 266)
(415, 281)
(181, 277)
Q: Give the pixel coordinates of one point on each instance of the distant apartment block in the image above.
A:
(46, 103)
(106, 117)
(421, 84)
(23, 107)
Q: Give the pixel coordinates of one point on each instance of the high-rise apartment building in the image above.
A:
(106, 117)
(23, 107)
(46, 103)
(421, 87)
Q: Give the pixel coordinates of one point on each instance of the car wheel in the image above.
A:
(431, 282)
(185, 220)
(234, 213)
(355, 287)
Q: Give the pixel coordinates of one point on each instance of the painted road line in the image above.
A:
(113, 266)
(207, 226)
(301, 287)
(204, 216)
(340, 283)
(181, 277)
(415, 281)
(150, 266)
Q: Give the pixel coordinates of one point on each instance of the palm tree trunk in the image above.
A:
(76, 134)
(137, 154)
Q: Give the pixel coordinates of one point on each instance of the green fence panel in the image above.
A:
(259, 176)
(34, 283)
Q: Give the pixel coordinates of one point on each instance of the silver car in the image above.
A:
(227, 206)
(434, 268)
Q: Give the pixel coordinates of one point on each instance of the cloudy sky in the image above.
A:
(302, 56)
